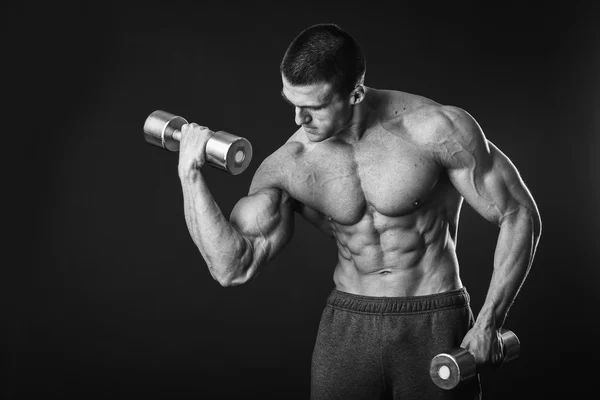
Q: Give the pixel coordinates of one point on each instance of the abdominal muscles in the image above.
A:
(396, 256)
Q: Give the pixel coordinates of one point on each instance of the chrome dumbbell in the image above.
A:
(223, 150)
(448, 370)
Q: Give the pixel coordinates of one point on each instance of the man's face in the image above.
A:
(320, 111)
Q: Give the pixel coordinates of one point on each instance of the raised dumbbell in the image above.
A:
(448, 370)
(223, 150)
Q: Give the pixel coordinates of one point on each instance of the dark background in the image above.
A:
(107, 295)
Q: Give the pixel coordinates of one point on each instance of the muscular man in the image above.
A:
(384, 173)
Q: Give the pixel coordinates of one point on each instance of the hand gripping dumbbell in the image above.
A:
(448, 370)
(223, 150)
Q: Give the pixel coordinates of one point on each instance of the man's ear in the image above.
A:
(357, 95)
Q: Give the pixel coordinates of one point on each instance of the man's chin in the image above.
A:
(314, 135)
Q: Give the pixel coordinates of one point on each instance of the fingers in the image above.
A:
(502, 348)
(192, 148)
(487, 346)
(195, 136)
(194, 125)
(497, 350)
(187, 129)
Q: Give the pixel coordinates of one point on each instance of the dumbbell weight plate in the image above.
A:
(163, 129)
(448, 370)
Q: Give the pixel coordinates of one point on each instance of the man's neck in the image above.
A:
(359, 120)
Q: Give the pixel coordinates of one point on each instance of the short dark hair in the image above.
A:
(324, 53)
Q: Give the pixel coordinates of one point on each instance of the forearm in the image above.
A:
(515, 249)
(225, 250)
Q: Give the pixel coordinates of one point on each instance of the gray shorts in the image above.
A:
(381, 347)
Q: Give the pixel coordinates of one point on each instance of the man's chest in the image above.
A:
(342, 181)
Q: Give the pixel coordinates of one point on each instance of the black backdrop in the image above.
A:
(108, 297)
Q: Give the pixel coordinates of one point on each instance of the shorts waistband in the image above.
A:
(398, 305)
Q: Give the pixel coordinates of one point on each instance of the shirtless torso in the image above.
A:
(388, 187)
(387, 201)
(385, 174)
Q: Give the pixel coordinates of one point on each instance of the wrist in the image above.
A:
(189, 175)
(489, 318)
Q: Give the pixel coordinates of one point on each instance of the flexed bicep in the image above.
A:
(266, 221)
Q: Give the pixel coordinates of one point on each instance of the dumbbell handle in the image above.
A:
(448, 370)
(223, 150)
(177, 135)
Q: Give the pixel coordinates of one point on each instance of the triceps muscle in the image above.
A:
(495, 188)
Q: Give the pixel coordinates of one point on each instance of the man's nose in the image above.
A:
(302, 117)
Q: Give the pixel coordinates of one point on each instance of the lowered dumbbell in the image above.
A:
(223, 150)
(448, 370)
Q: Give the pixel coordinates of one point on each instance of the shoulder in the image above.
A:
(453, 119)
(275, 169)
(418, 116)
(409, 115)
(434, 123)
(394, 105)
(451, 134)
(447, 134)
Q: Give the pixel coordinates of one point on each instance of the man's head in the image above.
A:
(323, 71)
(324, 53)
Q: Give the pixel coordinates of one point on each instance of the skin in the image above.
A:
(384, 173)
